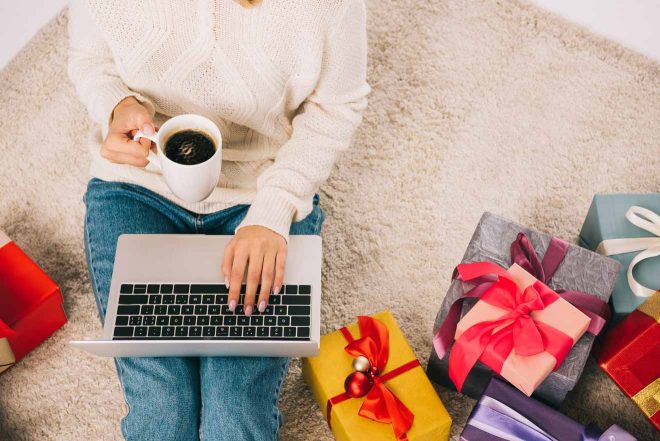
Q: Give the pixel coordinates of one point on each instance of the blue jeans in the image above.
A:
(169, 398)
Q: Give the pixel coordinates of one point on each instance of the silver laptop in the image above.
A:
(168, 298)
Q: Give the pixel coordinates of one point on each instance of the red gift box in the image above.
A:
(30, 302)
(630, 355)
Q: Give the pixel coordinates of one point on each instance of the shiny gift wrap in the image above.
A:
(630, 355)
(580, 270)
(503, 413)
(406, 383)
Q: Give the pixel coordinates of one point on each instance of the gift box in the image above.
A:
(580, 276)
(503, 413)
(30, 303)
(553, 319)
(630, 353)
(372, 357)
(626, 227)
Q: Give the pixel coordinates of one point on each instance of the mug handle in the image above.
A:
(152, 158)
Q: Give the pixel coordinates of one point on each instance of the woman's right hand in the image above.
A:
(127, 118)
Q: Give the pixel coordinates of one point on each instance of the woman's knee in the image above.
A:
(240, 398)
(163, 398)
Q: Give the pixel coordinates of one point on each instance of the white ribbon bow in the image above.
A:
(649, 246)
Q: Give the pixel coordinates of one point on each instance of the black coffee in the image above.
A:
(189, 147)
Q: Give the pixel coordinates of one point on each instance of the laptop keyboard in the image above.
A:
(200, 312)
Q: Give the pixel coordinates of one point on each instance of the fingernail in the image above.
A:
(148, 129)
(262, 306)
(248, 310)
(276, 290)
(226, 282)
(232, 305)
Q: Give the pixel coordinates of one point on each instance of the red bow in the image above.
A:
(5, 331)
(516, 329)
(380, 404)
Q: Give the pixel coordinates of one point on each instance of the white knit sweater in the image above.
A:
(284, 81)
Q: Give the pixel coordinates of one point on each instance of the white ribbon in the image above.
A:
(649, 246)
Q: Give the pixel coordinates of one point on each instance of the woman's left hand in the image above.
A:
(262, 253)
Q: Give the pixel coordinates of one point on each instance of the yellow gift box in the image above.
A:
(326, 374)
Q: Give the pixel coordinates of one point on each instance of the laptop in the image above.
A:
(168, 298)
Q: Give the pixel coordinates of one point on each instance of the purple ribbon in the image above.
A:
(523, 253)
(496, 418)
(502, 422)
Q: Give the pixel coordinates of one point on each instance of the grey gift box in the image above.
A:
(581, 270)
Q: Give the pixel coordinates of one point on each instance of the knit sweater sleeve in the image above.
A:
(92, 68)
(322, 128)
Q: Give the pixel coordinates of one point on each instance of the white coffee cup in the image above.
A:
(192, 183)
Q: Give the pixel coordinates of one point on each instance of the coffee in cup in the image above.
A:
(189, 147)
(189, 155)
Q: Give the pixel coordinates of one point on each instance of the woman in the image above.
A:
(284, 80)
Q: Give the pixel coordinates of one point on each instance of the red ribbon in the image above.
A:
(516, 329)
(380, 404)
(5, 331)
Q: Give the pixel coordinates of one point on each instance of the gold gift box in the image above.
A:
(6, 355)
(326, 373)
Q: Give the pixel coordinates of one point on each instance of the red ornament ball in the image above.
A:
(357, 384)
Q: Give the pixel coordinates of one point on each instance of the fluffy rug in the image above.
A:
(476, 106)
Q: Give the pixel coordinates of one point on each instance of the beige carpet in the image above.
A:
(476, 106)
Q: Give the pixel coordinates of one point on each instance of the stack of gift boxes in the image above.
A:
(626, 227)
(522, 315)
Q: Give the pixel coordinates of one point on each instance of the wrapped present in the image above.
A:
(370, 385)
(578, 276)
(629, 354)
(519, 328)
(627, 228)
(30, 302)
(503, 413)
(7, 358)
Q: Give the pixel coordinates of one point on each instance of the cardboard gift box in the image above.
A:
(400, 403)
(630, 355)
(575, 270)
(503, 413)
(627, 227)
(30, 302)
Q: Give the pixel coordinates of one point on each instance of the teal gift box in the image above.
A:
(617, 222)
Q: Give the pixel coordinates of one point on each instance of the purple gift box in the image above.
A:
(504, 413)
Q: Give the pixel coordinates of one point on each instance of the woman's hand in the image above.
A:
(127, 118)
(263, 253)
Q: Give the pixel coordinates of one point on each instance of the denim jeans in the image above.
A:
(176, 398)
